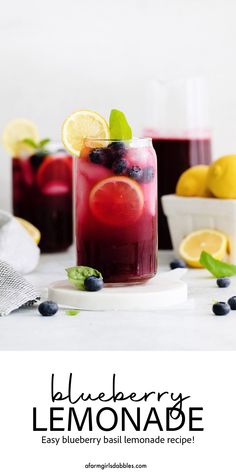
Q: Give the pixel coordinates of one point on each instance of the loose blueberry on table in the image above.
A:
(177, 264)
(232, 303)
(221, 308)
(48, 308)
(223, 282)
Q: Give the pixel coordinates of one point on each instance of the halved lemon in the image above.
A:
(31, 229)
(208, 240)
(16, 131)
(116, 201)
(80, 125)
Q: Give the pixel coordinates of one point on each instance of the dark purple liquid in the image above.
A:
(43, 196)
(174, 156)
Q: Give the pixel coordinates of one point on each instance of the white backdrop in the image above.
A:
(59, 55)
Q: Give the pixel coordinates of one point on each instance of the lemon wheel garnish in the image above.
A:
(31, 229)
(209, 240)
(80, 125)
(15, 132)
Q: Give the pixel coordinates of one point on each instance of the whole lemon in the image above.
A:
(221, 178)
(193, 182)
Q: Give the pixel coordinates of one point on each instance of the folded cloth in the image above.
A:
(16, 245)
(15, 291)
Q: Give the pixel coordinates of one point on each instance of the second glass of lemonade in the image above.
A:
(42, 194)
(116, 209)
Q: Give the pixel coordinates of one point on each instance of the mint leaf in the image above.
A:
(30, 142)
(119, 126)
(78, 274)
(40, 145)
(72, 312)
(43, 142)
(215, 267)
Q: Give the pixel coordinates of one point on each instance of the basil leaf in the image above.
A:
(119, 126)
(30, 142)
(78, 274)
(215, 267)
(72, 312)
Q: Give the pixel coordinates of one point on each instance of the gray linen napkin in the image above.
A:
(15, 290)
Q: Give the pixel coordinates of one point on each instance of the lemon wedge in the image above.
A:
(209, 240)
(82, 124)
(16, 131)
(31, 229)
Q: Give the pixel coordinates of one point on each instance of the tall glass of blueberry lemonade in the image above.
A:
(41, 184)
(116, 204)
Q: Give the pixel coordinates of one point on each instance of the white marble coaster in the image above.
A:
(164, 290)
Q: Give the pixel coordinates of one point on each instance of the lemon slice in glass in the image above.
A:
(209, 240)
(15, 132)
(82, 124)
(117, 201)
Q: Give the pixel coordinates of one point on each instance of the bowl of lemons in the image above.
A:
(202, 213)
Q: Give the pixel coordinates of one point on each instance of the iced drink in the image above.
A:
(116, 209)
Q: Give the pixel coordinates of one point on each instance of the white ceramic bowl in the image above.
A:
(186, 214)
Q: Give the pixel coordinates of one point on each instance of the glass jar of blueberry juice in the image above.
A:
(116, 209)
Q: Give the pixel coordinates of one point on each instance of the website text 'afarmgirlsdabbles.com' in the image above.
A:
(115, 465)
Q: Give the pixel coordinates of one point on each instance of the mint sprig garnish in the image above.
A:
(43, 143)
(30, 143)
(78, 274)
(215, 267)
(40, 145)
(119, 126)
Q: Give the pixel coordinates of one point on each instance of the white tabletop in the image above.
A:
(191, 326)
